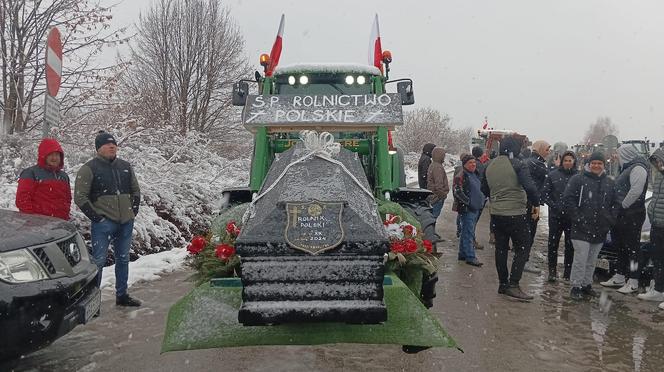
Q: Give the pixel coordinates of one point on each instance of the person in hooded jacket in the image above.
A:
(631, 186)
(589, 200)
(656, 216)
(470, 200)
(44, 188)
(437, 181)
(559, 221)
(508, 183)
(423, 165)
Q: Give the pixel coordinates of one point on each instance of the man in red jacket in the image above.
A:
(44, 188)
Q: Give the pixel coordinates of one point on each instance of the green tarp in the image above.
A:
(207, 318)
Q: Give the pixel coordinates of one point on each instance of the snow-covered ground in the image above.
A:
(147, 268)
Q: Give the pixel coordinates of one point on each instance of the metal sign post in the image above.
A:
(53, 80)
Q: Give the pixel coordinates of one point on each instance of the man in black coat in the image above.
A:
(538, 171)
(559, 221)
(423, 165)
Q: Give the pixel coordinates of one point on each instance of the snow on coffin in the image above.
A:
(313, 248)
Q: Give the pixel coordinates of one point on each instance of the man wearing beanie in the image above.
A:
(508, 183)
(588, 200)
(470, 200)
(631, 186)
(107, 192)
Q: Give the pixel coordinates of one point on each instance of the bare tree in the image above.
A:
(421, 126)
(23, 27)
(186, 57)
(601, 128)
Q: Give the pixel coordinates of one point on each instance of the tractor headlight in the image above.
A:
(291, 80)
(304, 80)
(20, 266)
(361, 80)
(350, 79)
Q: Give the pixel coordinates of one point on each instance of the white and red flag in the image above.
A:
(485, 124)
(275, 53)
(375, 50)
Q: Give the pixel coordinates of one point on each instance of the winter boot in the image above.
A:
(502, 288)
(412, 349)
(631, 286)
(428, 292)
(515, 291)
(576, 293)
(588, 290)
(616, 281)
(126, 300)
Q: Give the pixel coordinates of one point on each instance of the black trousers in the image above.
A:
(517, 229)
(657, 255)
(626, 237)
(558, 225)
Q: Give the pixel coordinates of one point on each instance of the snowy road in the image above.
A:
(497, 334)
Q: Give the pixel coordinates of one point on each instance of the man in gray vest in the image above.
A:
(630, 188)
(508, 183)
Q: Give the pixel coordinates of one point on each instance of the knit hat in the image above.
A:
(477, 152)
(597, 156)
(540, 147)
(104, 138)
(466, 158)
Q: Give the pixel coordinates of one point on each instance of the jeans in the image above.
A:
(467, 240)
(626, 236)
(657, 255)
(585, 258)
(437, 207)
(102, 234)
(559, 224)
(516, 228)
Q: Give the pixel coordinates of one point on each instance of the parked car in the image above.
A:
(608, 257)
(47, 282)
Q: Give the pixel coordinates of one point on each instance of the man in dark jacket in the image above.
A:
(107, 192)
(631, 186)
(470, 200)
(44, 188)
(481, 162)
(538, 171)
(656, 216)
(589, 199)
(508, 183)
(423, 165)
(559, 221)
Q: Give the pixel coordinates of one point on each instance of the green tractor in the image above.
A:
(372, 141)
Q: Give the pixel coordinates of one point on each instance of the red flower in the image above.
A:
(411, 246)
(224, 251)
(232, 229)
(407, 230)
(427, 245)
(397, 246)
(197, 245)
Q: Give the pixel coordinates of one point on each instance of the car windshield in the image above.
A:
(323, 84)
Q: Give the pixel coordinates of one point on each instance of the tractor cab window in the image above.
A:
(323, 84)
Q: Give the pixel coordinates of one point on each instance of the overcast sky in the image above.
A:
(544, 68)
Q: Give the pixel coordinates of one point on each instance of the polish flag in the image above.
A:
(486, 123)
(375, 50)
(276, 49)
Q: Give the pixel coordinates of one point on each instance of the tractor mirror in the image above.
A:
(405, 89)
(240, 93)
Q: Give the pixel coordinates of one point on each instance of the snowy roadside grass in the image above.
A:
(147, 268)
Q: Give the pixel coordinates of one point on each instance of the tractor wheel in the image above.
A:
(424, 215)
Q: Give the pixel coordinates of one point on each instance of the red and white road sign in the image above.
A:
(53, 62)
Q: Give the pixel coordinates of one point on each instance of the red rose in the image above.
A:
(230, 227)
(197, 244)
(427, 245)
(397, 246)
(411, 246)
(224, 251)
(407, 230)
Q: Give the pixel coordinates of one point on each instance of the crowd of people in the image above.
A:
(584, 204)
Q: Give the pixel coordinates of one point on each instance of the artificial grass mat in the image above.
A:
(207, 318)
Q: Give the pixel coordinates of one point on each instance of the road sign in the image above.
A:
(53, 62)
(51, 111)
